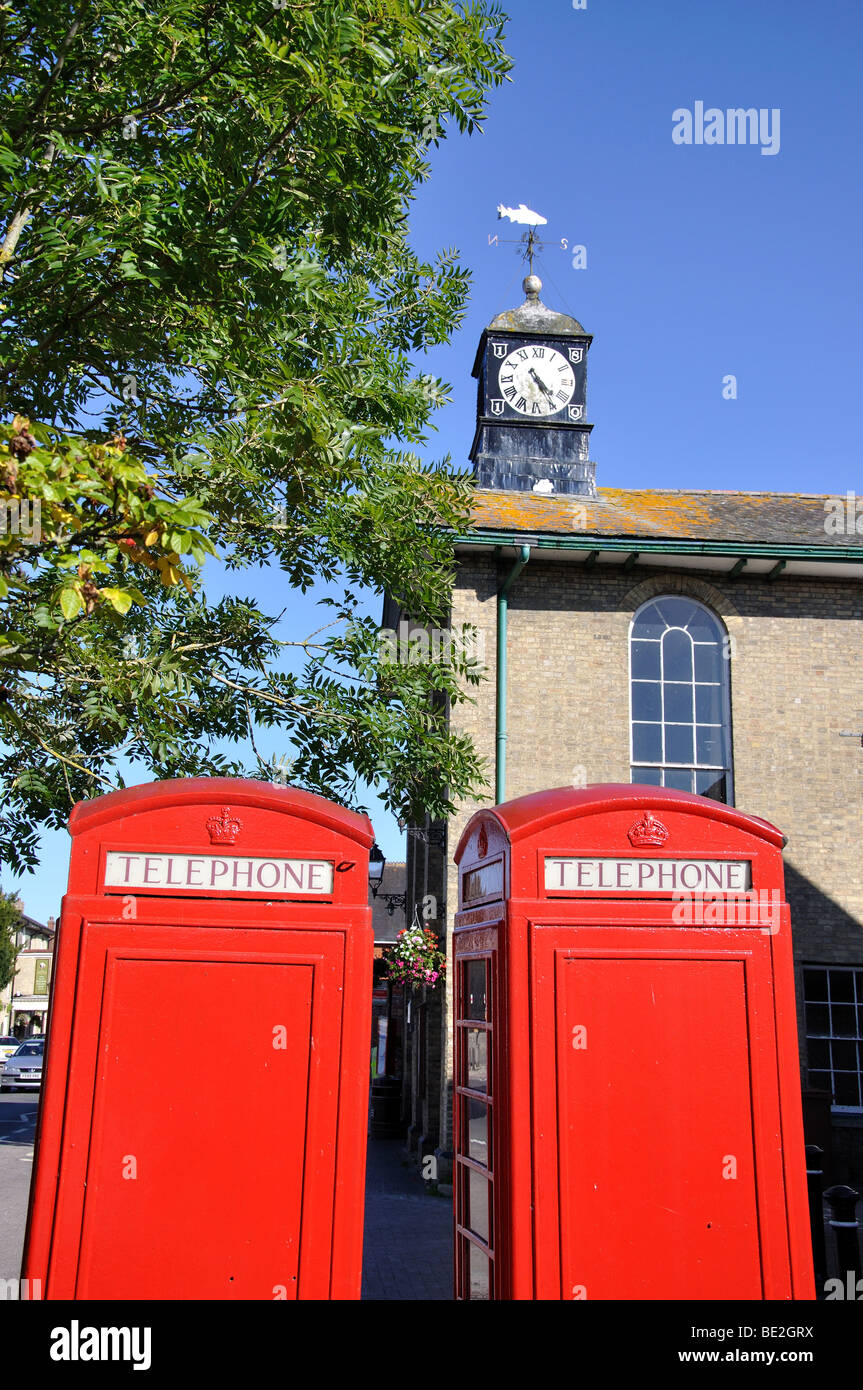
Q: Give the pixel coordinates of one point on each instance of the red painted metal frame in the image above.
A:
(464, 1234)
(304, 1109)
(532, 932)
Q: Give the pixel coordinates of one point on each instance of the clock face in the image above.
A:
(536, 380)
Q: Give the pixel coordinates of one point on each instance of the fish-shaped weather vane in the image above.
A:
(522, 214)
(527, 218)
(529, 241)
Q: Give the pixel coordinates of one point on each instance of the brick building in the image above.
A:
(24, 1001)
(706, 640)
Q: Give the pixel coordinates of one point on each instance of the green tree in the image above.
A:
(10, 921)
(205, 259)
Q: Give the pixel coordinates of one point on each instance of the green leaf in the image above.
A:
(71, 603)
(119, 599)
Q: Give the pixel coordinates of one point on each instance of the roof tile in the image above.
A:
(795, 518)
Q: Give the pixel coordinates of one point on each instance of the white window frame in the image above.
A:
(694, 766)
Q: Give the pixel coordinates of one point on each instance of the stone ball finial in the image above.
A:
(531, 284)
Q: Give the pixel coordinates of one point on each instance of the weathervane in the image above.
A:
(526, 217)
(530, 241)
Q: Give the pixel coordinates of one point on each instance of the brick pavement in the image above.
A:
(407, 1251)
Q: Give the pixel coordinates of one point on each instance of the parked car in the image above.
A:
(8, 1046)
(23, 1070)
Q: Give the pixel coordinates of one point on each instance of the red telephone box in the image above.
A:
(627, 1094)
(202, 1131)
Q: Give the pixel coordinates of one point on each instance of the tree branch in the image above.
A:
(160, 105)
(246, 690)
(13, 232)
(61, 758)
(22, 216)
(42, 99)
(274, 144)
(96, 302)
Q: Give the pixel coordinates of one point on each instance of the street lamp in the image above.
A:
(377, 862)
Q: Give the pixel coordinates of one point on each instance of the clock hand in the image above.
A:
(541, 384)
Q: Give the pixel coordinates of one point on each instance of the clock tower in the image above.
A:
(532, 433)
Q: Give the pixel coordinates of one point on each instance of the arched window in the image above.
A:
(680, 701)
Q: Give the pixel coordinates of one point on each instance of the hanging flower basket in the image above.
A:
(417, 958)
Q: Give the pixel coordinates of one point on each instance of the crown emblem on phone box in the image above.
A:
(648, 831)
(224, 829)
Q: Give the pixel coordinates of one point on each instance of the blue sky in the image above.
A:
(703, 261)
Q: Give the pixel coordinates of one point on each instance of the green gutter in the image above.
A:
(502, 616)
(765, 550)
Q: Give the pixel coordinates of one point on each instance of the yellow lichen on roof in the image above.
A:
(652, 512)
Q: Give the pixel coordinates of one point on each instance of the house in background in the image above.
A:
(24, 1001)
